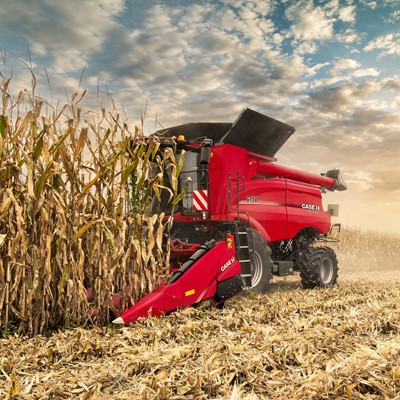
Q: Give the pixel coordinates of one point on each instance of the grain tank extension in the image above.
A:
(243, 217)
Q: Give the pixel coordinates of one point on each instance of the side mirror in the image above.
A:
(205, 153)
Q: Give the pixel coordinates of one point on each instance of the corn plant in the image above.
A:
(74, 190)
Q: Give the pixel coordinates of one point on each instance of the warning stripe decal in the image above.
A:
(200, 200)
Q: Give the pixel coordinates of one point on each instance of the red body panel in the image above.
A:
(276, 200)
(265, 201)
(295, 174)
(302, 195)
(196, 284)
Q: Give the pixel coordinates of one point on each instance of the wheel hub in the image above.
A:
(256, 268)
(326, 270)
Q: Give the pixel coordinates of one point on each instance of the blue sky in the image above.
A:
(329, 68)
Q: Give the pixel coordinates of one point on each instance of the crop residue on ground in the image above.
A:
(340, 342)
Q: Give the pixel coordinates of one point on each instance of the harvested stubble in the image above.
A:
(339, 343)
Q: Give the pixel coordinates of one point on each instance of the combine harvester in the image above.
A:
(243, 217)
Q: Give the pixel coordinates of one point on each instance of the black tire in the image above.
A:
(261, 263)
(319, 267)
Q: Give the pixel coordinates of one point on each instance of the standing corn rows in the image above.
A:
(74, 189)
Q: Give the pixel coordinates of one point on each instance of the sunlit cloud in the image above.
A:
(387, 44)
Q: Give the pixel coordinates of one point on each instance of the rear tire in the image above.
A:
(261, 263)
(319, 267)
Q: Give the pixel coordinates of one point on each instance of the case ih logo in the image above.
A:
(200, 200)
(312, 207)
(228, 263)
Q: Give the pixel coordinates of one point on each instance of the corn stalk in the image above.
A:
(74, 190)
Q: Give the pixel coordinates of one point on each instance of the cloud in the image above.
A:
(188, 57)
(362, 179)
(386, 180)
(347, 14)
(389, 44)
(306, 48)
(211, 42)
(312, 70)
(309, 22)
(366, 72)
(348, 97)
(352, 68)
(345, 64)
(369, 3)
(394, 17)
(68, 32)
(349, 36)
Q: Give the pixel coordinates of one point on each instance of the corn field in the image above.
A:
(74, 190)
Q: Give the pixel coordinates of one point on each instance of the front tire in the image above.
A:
(319, 268)
(261, 263)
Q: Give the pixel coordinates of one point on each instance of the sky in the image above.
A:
(329, 68)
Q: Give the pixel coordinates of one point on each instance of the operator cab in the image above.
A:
(192, 181)
(252, 131)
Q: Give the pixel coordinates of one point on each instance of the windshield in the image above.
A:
(188, 179)
(164, 203)
(192, 179)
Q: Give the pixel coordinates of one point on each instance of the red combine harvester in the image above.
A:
(242, 219)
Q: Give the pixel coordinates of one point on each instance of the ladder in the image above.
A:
(244, 250)
(244, 246)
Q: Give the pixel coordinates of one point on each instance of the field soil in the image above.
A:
(337, 343)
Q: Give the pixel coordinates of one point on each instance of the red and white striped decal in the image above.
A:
(200, 200)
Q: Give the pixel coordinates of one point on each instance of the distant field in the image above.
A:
(368, 255)
(337, 343)
(363, 256)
